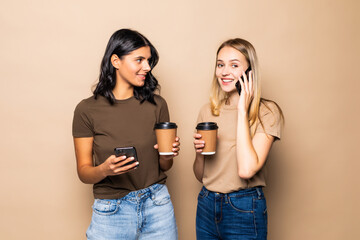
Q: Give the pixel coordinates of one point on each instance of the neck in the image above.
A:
(233, 98)
(123, 92)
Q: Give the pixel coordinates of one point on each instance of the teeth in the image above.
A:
(226, 81)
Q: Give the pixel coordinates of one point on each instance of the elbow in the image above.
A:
(245, 173)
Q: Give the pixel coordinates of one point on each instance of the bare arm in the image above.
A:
(251, 153)
(84, 161)
(198, 166)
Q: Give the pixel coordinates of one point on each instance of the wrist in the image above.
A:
(166, 157)
(242, 114)
(101, 170)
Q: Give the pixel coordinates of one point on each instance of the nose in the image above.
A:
(225, 71)
(146, 67)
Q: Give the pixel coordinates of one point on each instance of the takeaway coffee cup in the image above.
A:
(165, 136)
(208, 131)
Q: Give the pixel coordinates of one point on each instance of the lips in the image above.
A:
(142, 76)
(227, 80)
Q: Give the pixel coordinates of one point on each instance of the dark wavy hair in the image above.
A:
(122, 43)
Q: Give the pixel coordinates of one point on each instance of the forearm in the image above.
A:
(198, 166)
(90, 174)
(248, 162)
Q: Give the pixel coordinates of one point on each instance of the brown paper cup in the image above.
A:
(208, 131)
(165, 136)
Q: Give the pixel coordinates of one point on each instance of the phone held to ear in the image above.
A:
(128, 152)
(237, 84)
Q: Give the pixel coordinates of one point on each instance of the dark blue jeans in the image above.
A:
(237, 215)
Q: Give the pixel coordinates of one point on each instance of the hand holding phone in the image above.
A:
(237, 84)
(128, 152)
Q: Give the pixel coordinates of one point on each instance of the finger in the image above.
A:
(156, 146)
(199, 142)
(252, 85)
(126, 168)
(122, 163)
(199, 146)
(246, 83)
(197, 135)
(118, 159)
(241, 84)
(176, 149)
(177, 139)
(175, 144)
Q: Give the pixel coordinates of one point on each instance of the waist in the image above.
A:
(240, 193)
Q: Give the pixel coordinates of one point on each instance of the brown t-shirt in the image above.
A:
(221, 170)
(124, 124)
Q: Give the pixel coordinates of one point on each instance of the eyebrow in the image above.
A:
(232, 60)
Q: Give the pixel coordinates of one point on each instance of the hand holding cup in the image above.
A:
(207, 135)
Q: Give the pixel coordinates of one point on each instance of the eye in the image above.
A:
(219, 65)
(234, 65)
(138, 60)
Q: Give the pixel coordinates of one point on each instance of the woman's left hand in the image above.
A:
(176, 149)
(247, 93)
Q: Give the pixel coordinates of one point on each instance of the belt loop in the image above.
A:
(226, 198)
(258, 192)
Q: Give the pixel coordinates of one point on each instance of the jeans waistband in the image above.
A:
(242, 192)
(143, 193)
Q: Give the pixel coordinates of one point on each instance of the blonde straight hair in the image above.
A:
(219, 97)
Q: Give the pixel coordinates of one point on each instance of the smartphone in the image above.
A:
(128, 152)
(237, 84)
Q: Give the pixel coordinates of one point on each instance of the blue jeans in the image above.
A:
(236, 215)
(144, 214)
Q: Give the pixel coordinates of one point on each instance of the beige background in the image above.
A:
(50, 52)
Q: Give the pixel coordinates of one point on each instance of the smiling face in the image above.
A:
(132, 68)
(230, 64)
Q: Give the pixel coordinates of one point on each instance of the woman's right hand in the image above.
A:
(198, 144)
(115, 165)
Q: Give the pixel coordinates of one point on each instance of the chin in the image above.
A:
(228, 90)
(140, 84)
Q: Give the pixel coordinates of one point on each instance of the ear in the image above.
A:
(115, 61)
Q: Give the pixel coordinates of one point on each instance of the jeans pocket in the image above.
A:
(105, 207)
(242, 204)
(161, 197)
(203, 193)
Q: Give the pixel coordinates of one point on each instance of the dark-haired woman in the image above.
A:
(231, 205)
(131, 198)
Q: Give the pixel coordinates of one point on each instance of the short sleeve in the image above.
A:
(271, 120)
(163, 111)
(82, 125)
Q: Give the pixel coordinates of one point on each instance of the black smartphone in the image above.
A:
(237, 84)
(128, 152)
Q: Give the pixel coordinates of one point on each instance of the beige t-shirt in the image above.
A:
(221, 170)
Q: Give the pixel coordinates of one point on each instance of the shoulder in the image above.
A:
(271, 119)
(269, 109)
(160, 101)
(85, 103)
(205, 112)
(206, 108)
(89, 103)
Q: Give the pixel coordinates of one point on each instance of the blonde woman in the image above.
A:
(231, 204)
